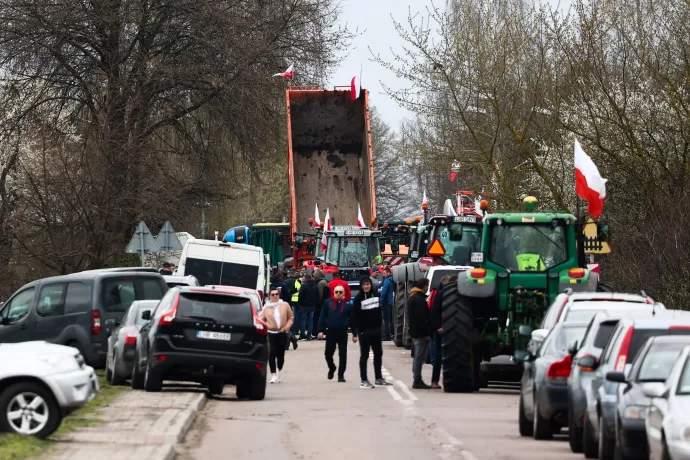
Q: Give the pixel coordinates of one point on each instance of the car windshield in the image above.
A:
(684, 381)
(353, 251)
(658, 361)
(459, 241)
(580, 315)
(525, 248)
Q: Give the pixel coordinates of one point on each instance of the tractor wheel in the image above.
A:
(407, 340)
(458, 350)
(399, 314)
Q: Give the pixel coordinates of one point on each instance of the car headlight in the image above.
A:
(60, 362)
(635, 412)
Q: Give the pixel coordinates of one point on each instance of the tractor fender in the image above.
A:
(409, 272)
(398, 273)
(414, 273)
(588, 283)
(479, 287)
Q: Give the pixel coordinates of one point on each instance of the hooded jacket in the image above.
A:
(322, 284)
(366, 311)
(309, 294)
(420, 319)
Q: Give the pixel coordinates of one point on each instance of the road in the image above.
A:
(310, 417)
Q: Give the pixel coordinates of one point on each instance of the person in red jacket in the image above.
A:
(337, 281)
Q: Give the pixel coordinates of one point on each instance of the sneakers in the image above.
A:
(280, 377)
(294, 343)
(420, 386)
(382, 382)
(331, 373)
(274, 379)
(366, 384)
(341, 379)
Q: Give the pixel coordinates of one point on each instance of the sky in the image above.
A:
(372, 19)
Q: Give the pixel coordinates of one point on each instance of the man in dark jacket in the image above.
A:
(387, 299)
(420, 330)
(308, 299)
(337, 281)
(366, 313)
(324, 293)
(436, 319)
(334, 320)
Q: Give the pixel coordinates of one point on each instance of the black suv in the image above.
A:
(203, 334)
(79, 310)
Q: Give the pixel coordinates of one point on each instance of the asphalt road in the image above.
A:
(310, 417)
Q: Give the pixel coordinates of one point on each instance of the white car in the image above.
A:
(174, 280)
(40, 384)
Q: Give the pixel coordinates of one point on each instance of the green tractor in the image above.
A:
(526, 259)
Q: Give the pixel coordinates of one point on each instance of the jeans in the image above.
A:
(336, 338)
(370, 339)
(305, 318)
(421, 349)
(437, 340)
(387, 313)
(432, 348)
(277, 343)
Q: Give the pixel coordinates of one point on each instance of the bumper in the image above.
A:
(74, 389)
(202, 367)
(633, 439)
(95, 355)
(553, 401)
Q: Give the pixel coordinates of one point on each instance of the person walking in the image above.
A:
(366, 313)
(334, 321)
(278, 317)
(420, 330)
(337, 281)
(308, 299)
(387, 299)
(324, 294)
(290, 295)
(436, 320)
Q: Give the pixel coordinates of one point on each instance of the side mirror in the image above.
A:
(523, 355)
(146, 315)
(588, 363)
(618, 377)
(5, 321)
(525, 330)
(655, 390)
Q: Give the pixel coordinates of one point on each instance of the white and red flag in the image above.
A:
(317, 219)
(288, 73)
(360, 219)
(424, 200)
(354, 89)
(589, 185)
(326, 228)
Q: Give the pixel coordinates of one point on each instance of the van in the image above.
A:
(214, 262)
(79, 310)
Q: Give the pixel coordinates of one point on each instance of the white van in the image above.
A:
(214, 262)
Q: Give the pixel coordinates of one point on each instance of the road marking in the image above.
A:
(406, 390)
(396, 396)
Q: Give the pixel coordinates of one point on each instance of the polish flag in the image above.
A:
(360, 219)
(424, 200)
(354, 90)
(589, 185)
(326, 228)
(288, 73)
(317, 219)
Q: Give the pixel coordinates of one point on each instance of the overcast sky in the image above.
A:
(376, 31)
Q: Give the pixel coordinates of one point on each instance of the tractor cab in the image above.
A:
(353, 250)
(395, 241)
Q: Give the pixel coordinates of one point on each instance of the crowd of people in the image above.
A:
(305, 306)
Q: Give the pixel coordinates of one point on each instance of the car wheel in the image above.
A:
(589, 445)
(574, 433)
(153, 381)
(257, 391)
(137, 376)
(30, 409)
(606, 444)
(526, 427)
(115, 378)
(216, 387)
(542, 426)
(242, 390)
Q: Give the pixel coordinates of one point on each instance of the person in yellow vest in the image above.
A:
(530, 262)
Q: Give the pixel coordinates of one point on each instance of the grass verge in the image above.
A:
(16, 447)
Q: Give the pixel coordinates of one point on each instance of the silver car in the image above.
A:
(668, 419)
(123, 340)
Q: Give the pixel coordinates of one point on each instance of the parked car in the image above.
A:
(40, 383)
(122, 342)
(585, 362)
(253, 294)
(173, 280)
(79, 310)
(543, 408)
(625, 342)
(668, 420)
(652, 364)
(205, 335)
(123, 269)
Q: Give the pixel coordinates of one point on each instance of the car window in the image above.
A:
(546, 346)
(206, 271)
(579, 316)
(604, 333)
(567, 336)
(119, 294)
(78, 298)
(138, 320)
(684, 380)
(658, 362)
(50, 300)
(241, 275)
(221, 308)
(153, 289)
(19, 306)
(606, 353)
(640, 336)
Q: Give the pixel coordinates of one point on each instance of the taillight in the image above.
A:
(130, 339)
(560, 369)
(169, 316)
(576, 273)
(478, 273)
(260, 326)
(95, 322)
(623, 353)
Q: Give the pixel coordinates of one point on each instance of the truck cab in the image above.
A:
(353, 250)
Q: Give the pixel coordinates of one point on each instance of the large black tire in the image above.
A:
(252, 388)
(526, 427)
(115, 378)
(543, 428)
(215, 387)
(153, 381)
(606, 444)
(48, 409)
(399, 314)
(137, 376)
(458, 352)
(590, 449)
(574, 434)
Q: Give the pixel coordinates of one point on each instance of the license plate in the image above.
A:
(213, 335)
(465, 219)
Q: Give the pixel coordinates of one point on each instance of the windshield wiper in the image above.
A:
(201, 318)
